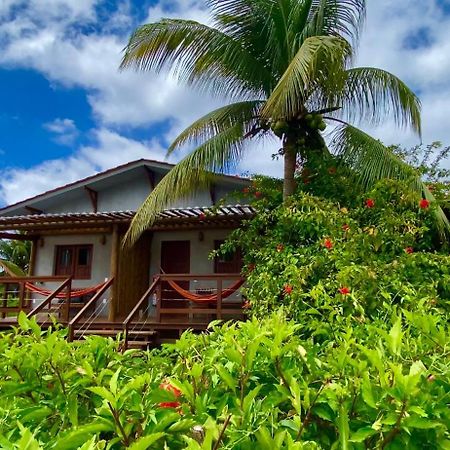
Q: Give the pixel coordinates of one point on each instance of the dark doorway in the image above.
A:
(175, 258)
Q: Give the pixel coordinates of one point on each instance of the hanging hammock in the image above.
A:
(75, 293)
(209, 298)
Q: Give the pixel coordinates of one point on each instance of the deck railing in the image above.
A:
(220, 306)
(168, 316)
(75, 324)
(141, 307)
(14, 301)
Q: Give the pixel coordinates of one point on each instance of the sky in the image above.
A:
(66, 112)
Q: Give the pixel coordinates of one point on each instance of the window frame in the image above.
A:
(236, 260)
(75, 267)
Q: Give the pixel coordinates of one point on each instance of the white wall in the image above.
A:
(101, 256)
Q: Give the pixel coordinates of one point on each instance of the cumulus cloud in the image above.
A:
(65, 131)
(60, 39)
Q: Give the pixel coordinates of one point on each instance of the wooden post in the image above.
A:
(158, 301)
(219, 299)
(21, 294)
(67, 309)
(5, 299)
(31, 268)
(32, 264)
(114, 300)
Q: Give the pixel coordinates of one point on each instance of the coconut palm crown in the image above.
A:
(286, 68)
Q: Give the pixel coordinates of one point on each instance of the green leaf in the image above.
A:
(80, 435)
(421, 423)
(146, 441)
(343, 427)
(113, 382)
(367, 392)
(103, 393)
(23, 321)
(396, 336)
(362, 434)
(226, 376)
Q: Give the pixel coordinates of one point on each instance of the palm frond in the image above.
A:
(372, 95)
(193, 173)
(217, 121)
(199, 55)
(318, 59)
(11, 269)
(372, 162)
(335, 18)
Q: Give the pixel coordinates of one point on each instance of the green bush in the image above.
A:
(312, 253)
(252, 385)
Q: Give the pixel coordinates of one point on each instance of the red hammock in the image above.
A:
(210, 298)
(73, 294)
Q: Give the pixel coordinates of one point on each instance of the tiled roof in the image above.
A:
(91, 219)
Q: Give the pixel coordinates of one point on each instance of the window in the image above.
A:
(75, 260)
(231, 263)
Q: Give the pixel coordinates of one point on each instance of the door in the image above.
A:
(175, 258)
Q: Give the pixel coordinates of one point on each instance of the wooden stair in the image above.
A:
(141, 338)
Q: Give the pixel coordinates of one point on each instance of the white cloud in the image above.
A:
(45, 37)
(65, 131)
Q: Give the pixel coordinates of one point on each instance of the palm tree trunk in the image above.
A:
(290, 161)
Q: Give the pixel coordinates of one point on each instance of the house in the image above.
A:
(76, 232)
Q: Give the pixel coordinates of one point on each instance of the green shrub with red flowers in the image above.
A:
(379, 247)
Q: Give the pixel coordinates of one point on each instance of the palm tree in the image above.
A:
(286, 67)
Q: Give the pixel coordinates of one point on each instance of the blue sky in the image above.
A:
(66, 112)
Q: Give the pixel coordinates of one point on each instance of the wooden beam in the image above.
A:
(71, 231)
(151, 177)
(114, 273)
(16, 236)
(93, 196)
(212, 193)
(34, 210)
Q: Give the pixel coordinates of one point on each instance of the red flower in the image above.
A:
(258, 194)
(246, 190)
(370, 203)
(344, 290)
(166, 386)
(288, 289)
(169, 405)
(424, 204)
(202, 216)
(251, 267)
(280, 248)
(327, 243)
(409, 250)
(346, 227)
(332, 170)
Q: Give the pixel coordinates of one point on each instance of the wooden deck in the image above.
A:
(156, 315)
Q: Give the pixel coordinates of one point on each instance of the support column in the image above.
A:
(114, 272)
(32, 263)
(31, 270)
